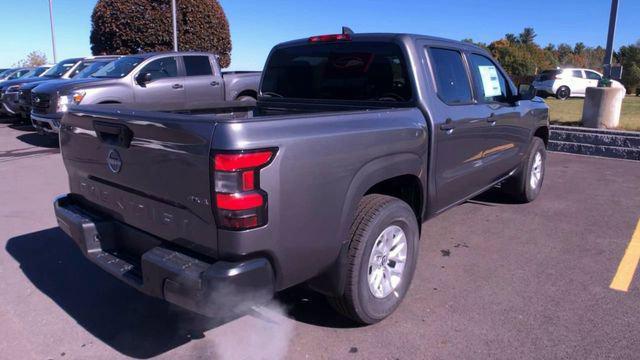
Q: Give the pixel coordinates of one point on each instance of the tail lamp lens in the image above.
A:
(240, 204)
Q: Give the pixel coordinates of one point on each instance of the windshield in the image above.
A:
(362, 71)
(91, 69)
(59, 69)
(119, 68)
(30, 73)
(39, 71)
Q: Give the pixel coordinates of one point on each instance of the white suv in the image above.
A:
(566, 83)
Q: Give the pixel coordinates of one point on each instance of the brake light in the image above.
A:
(239, 203)
(329, 38)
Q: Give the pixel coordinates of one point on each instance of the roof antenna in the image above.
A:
(347, 30)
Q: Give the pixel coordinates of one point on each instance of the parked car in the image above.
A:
(65, 69)
(566, 83)
(15, 73)
(182, 79)
(9, 98)
(355, 141)
(24, 94)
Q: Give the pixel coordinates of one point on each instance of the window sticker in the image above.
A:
(490, 81)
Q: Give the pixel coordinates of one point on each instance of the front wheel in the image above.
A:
(381, 260)
(526, 184)
(563, 93)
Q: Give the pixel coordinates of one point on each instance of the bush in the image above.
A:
(135, 26)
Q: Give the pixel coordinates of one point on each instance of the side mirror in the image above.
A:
(143, 79)
(526, 92)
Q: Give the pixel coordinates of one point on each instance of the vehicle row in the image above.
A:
(181, 79)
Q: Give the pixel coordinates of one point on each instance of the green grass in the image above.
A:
(569, 112)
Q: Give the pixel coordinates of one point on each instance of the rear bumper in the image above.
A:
(46, 124)
(212, 288)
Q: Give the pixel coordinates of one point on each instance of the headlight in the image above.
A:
(75, 98)
(13, 89)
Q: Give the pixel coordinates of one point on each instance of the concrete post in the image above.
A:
(602, 107)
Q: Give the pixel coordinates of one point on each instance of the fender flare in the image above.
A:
(331, 282)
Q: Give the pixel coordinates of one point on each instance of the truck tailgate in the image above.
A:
(149, 170)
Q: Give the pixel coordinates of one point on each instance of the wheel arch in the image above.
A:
(400, 176)
(543, 133)
(248, 92)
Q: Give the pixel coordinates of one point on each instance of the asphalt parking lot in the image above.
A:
(494, 280)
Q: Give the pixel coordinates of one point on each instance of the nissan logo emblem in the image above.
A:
(36, 100)
(114, 162)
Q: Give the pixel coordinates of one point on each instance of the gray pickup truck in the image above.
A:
(354, 142)
(184, 79)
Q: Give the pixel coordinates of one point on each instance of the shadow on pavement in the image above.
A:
(35, 139)
(493, 197)
(132, 323)
(22, 127)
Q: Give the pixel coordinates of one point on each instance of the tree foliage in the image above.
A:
(33, 59)
(134, 26)
(522, 57)
(629, 56)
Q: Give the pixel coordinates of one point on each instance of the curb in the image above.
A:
(595, 142)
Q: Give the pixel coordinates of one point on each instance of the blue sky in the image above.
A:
(257, 25)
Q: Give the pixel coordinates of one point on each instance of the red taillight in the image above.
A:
(329, 38)
(239, 201)
(239, 161)
(240, 204)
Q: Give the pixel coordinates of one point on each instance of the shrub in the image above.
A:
(134, 26)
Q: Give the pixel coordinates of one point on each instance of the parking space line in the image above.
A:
(628, 264)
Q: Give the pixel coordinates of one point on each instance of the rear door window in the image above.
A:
(577, 74)
(451, 77)
(490, 84)
(198, 66)
(593, 76)
(162, 68)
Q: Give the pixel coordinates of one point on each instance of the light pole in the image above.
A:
(613, 17)
(175, 26)
(53, 32)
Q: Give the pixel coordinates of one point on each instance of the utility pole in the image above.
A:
(613, 17)
(53, 32)
(175, 26)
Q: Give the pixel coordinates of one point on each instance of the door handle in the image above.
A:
(447, 126)
(215, 83)
(177, 86)
(492, 119)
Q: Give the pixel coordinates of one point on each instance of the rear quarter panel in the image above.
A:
(324, 165)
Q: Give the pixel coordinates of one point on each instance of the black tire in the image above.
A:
(563, 93)
(520, 185)
(246, 98)
(376, 213)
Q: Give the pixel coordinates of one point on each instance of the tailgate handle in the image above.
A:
(113, 134)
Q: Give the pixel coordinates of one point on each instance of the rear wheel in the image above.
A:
(563, 93)
(381, 259)
(246, 98)
(526, 184)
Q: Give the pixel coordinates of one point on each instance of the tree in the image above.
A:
(511, 38)
(527, 36)
(135, 26)
(630, 57)
(579, 48)
(33, 59)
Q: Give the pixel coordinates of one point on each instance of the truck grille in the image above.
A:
(40, 103)
(24, 97)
